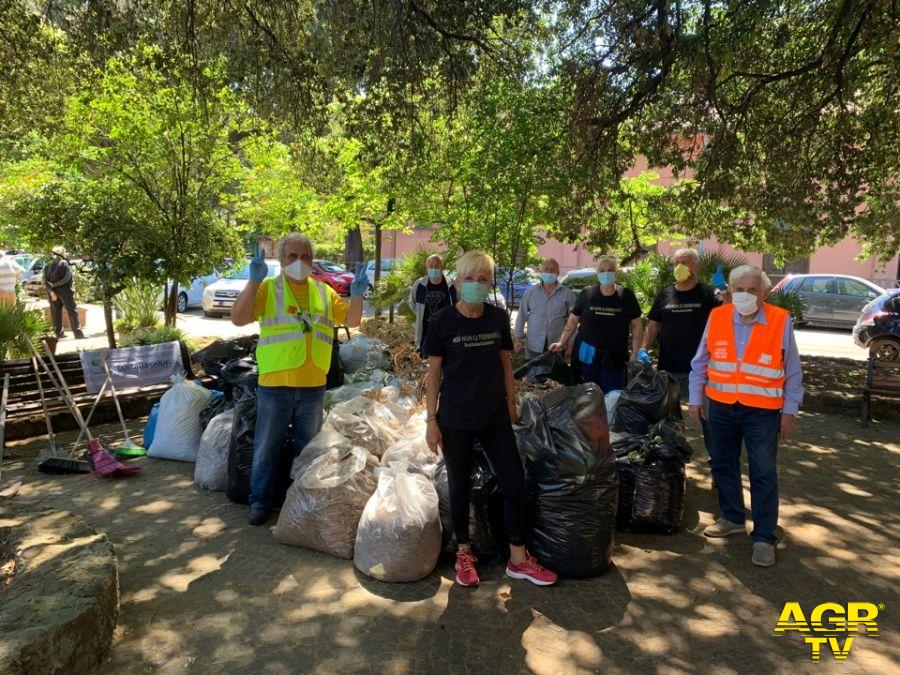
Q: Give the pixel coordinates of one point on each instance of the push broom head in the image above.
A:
(52, 460)
(129, 449)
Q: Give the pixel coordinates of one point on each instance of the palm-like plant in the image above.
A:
(16, 323)
(792, 301)
(137, 306)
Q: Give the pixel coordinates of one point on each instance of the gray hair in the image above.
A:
(610, 259)
(294, 236)
(689, 252)
(434, 256)
(743, 271)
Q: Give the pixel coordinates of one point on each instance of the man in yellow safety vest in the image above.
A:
(297, 315)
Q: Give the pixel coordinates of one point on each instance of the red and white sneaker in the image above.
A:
(466, 575)
(531, 570)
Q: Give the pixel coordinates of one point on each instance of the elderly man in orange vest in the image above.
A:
(748, 366)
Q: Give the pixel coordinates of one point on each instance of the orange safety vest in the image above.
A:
(756, 381)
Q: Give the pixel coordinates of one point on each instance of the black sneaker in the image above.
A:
(257, 516)
(79, 335)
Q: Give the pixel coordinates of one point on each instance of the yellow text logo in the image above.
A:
(830, 625)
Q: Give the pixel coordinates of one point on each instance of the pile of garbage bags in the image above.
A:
(333, 481)
(547, 366)
(572, 482)
(648, 439)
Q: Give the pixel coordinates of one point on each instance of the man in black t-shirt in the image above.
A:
(428, 295)
(678, 317)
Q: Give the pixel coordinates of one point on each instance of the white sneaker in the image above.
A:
(724, 528)
(763, 554)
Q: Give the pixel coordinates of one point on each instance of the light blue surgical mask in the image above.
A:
(434, 274)
(549, 278)
(606, 278)
(473, 292)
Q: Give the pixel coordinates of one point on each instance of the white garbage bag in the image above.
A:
(332, 485)
(399, 536)
(211, 470)
(413, 449)
(178, 429)
(367, 423)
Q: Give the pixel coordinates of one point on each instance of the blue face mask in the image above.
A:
(433, 274)
(548, 278)
(606, 278)
(473, 292)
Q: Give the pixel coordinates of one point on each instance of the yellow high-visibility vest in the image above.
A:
(283, 327)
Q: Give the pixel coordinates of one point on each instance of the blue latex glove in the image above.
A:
(360, 283)
(258, 268)
(643, 356)
(718, 279)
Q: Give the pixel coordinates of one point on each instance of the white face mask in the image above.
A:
(744, 303)
(298, 270)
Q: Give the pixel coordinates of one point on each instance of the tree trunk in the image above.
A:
(377, 257)
(171, 304)
(353, 248)
(108, 318)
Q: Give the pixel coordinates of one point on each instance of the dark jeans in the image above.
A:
(499, 442)
(757, 428)
(276, 409)
(65, 298)
(609, 379)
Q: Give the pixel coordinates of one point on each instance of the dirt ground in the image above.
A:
(202, 591)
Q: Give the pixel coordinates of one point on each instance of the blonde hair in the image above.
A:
(608, 259)
(474, 261)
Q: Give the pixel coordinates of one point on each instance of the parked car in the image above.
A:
(521, 280)
(192, 296)
(334, 275)
(878, 326)
(831, 299)
(387, 264)
(219, 297)
(580, 274)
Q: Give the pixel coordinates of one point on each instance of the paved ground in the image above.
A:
(202, 591)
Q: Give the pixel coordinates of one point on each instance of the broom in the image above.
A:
(128, 448)
(54, 459)
(104, 464)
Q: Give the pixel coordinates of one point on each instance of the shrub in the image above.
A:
(792, 301)
(154, 336)
(16, 323)
(137, 306)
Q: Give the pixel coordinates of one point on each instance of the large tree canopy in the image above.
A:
(779, 117)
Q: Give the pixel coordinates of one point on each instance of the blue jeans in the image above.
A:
(758, 428)
(276, 409)
(609, 379)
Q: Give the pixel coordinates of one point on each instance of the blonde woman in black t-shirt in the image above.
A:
(471, 396)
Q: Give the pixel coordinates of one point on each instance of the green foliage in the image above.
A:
(137, 306)
(153, 336)
(792, 301)
(579, 283)
(17, 323)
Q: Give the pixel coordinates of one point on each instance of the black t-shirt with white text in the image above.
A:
(682, 316)
(437, 296)
(606, 321)
(473, 393)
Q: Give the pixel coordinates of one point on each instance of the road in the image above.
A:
(811, 341)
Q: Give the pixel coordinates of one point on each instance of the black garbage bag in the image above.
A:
(239, 377)
(650, 396)
(336, 372)
(240, 455)
(217, 404)
(651, 496)
(215, 355)
(572, 482)
(547, 366)
(652, 477)
(487, 528)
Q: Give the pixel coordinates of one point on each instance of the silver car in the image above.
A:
(831, 299)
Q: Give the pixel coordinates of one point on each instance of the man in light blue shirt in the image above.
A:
(545, 307)
(754, 400)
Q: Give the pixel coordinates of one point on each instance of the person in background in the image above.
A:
(60, 285)
(604, 314)
(471, 396)
(297, 315)
(10, 271)
(544, 308)
(748, 366)
(428, 295)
